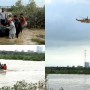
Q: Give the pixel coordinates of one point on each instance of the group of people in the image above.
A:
(14, 23)
(3, 66)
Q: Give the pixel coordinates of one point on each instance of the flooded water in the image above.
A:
(68, 82)
(30, 71)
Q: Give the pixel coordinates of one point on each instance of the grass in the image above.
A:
(7, 43)
(35, 36)
(41, 36)
(39, 41)
(38, 36)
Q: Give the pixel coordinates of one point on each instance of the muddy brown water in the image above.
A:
(18, 70)
(68, 82)
(25, 38)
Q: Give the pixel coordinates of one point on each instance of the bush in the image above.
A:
(35, 15)
(22, 85)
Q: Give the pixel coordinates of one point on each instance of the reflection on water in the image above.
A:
(30, 71)
(68, 82)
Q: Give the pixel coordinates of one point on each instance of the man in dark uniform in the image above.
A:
(17, 25)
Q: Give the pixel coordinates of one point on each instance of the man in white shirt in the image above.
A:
(3, 17)
(11, 27)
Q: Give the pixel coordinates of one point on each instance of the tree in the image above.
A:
(18, 8)
(35, 15)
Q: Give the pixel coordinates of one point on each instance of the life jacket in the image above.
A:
(9, 21)
(25, 24)
(22, 21)
(5, 67)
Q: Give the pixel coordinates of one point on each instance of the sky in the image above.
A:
(12, 2)
(66, 38)
(20, 47)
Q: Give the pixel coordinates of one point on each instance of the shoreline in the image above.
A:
(67, 70)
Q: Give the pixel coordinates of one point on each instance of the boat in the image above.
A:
(3, 67)
(4, 31)
(3, 72)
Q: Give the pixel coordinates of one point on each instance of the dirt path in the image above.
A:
(27, 37)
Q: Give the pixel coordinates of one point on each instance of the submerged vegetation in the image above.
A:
(16, 55)
(22, 85)
(67, 70)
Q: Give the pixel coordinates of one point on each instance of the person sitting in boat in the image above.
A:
(5, 67)
(0, 66)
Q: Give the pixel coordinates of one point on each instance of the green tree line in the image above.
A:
(67, 70)
(22, 55)
(35, 15)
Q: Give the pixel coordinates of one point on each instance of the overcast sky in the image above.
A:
(12, 2)
(20, 47)
(66, 38)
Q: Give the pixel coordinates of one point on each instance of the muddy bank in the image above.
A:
(27, 37)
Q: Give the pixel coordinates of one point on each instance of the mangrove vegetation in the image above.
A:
(67, 70)
(34, 14)
(17, 55)
(22, 85)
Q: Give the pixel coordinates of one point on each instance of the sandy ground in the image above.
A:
(25, 38)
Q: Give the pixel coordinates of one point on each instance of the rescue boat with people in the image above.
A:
(3, 67)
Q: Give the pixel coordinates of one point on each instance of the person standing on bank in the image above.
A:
(17, 25)
(22, 21)
(3, 17)
(11, 27)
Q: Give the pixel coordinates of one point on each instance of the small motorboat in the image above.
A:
(3, 67)
(3, 72)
